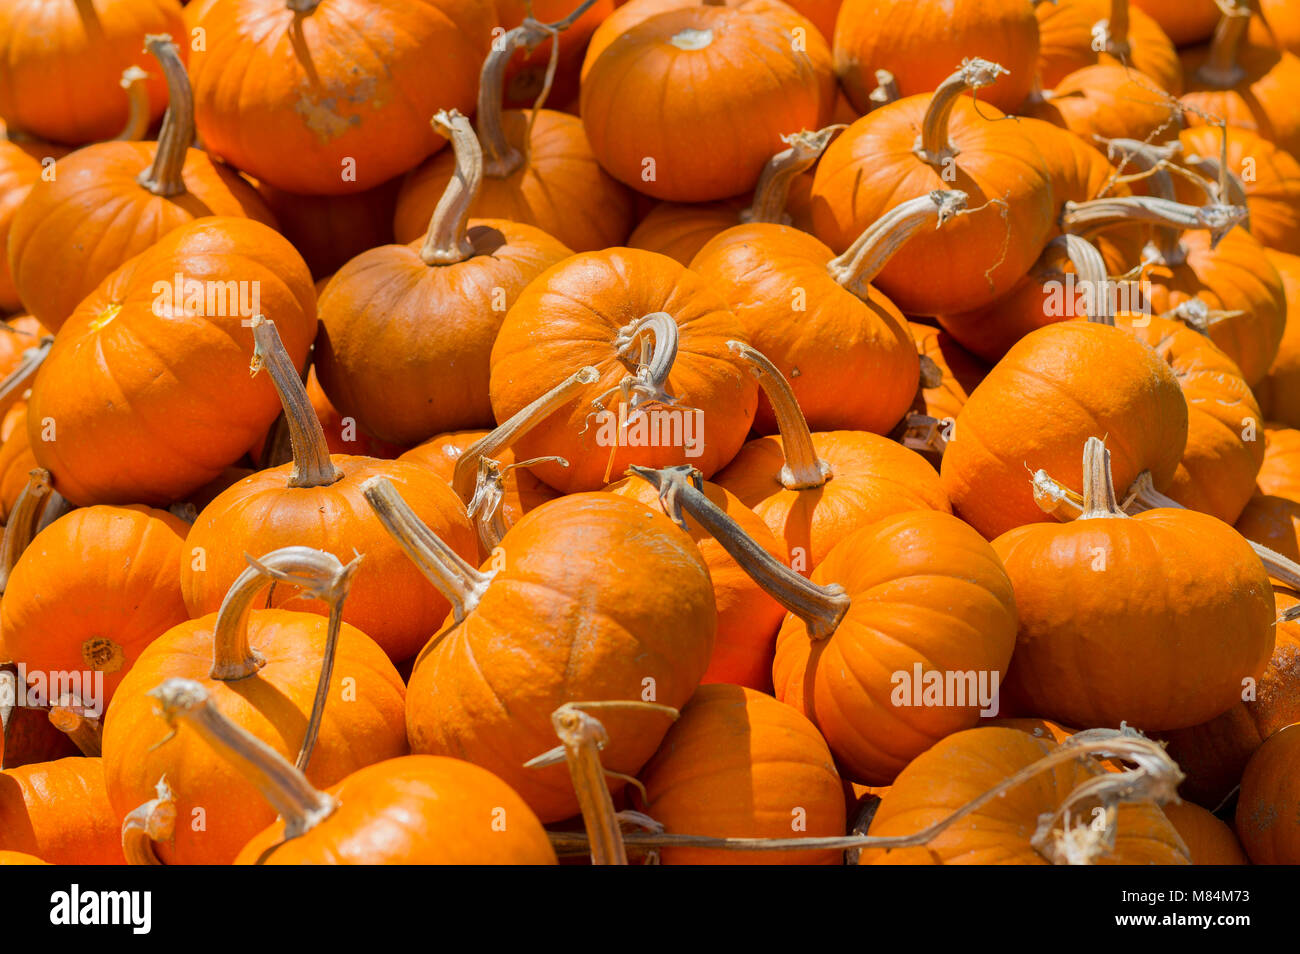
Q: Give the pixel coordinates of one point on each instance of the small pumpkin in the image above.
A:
(329, 230)
(1184, 21)
(1069, 32)
(1269, 802)
(1109, 101)
(20, 169)
(942, 396)
(1279, 391)
(528, 68)
(1276, 24)
(59, 811)
(1209, 841)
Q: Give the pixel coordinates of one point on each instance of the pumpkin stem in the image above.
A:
(921, 432)
(302, 6)
(312, 466)
(463, 585)
(886, 90)
(70, 717)
(137, 100)
(20, 378)
(1097, 215)
(1090, 276)
(803, 469)
(932, 146)
(166, 176)
(300, 805)
(1098, 488)
(447, 241)
(649, 344)
(821, 608)
(484, 508)
(773, 189)
(1156, 165)
(464, 479)
(153, 821)
(23, 521)
(1115, 30)
(318, 574)
(1220, 69)
(1198, 315)
(871, 251)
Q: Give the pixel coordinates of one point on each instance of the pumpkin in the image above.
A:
(330, 230)
(262, 668)
(527, 68)
(941, 395)
(1279, 391)
(1279, 474)
(650, 130)
(1109, 101)
(739, 764)
(921, 41)
(59, 811)
(1209, 841)
(342, 436)
(1269, 802)
(877, 163)
(964, 766)
(537, 169)
(1276, 24)
(515, 647)
(1070, 30)
(396, 320)
(1169, 611)
(1214, 754)
(19, 858)
(680, 229)
(748, 618)
(20, 169)
(91, 591)
(162, 398)
(347, 86)
(24, 345)
(1184, 21)
(1247, 85)
(667, 392)
(62, 60)
(792, 294)
(118, 198)
(1273, 522)
(315, 501)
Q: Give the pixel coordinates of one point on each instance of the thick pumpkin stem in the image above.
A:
(86, 731)
(463, 585)
(464, 479)
(23, 520)
(821, 608)
(773, 189)
(871, 251)
(933, 146)
(1115, 29)
(137, 104)
(1096, 215)
(886, 90)
(20, 378)
(165, 176)
(1220, 69)
(1090, 275)
(312, 466)
(803, 469)
(302, 6)
(447, 241)
(1098, 488)
(1155, 163)
(484, 508)
(299, 805)
(151, 822)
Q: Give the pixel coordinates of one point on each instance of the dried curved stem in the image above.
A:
(803, 468)
(134, 81)
(70, 717)
(465, 477)
(484, 507)
(1098, 488)
(650, 344)
(165, 177)
(773, 189)
(1220, 69)
(822, 608)
(932, 146)
(312, 466)
(447, 240)
(23, 520)
(300, 805)
(871, 251)
(463, 585)
(153, 821)
(1096, 215)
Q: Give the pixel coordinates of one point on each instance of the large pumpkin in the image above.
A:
(345, 87)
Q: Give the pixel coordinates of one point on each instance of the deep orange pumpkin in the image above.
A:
(1268, 808)
(1068, 32)
(1109, 101)
(1184, 21)
(59, 811)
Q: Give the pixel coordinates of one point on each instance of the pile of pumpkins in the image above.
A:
(668, 431)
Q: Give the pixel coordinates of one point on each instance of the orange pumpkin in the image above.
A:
(1279, 391)
(1184, 21)
(1276, 25)
(1069, 31)
(941, 397)
(1209, 841)
(1268, 808)
(20, 169)
(1279, 475)
(59, 811)
(527, 67)
(1109, 101)
(329, 230)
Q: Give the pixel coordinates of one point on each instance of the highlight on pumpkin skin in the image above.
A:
(153, 821)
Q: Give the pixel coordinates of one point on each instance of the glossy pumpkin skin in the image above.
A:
(116, 435)
(96, 197)
(739, 764)
(1208, 840)
(1040, 404)
(1262, 102)
(1268, 808)
(273, 704)
(60, 77)
(866, 381)
(1213, 755)
(59, 811)
(93, 589)
(925, 589)
(331, 229)
(1184, 21)
(404, 346)
(595, 595)
(870, 168)
(965, 765)
(19, 858)
(1279, 391)
(922, 41)
(414, 810)
(639, 96)
(312, 112)
(1111, 101)
(389, 600)
(1236, 275)
(20, 168)
(559, 188)
(747, 617)
(568, 318)
(872, 478)
(1154, 619)
(1065, 43)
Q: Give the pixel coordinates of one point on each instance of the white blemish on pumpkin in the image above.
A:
(692, 39)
